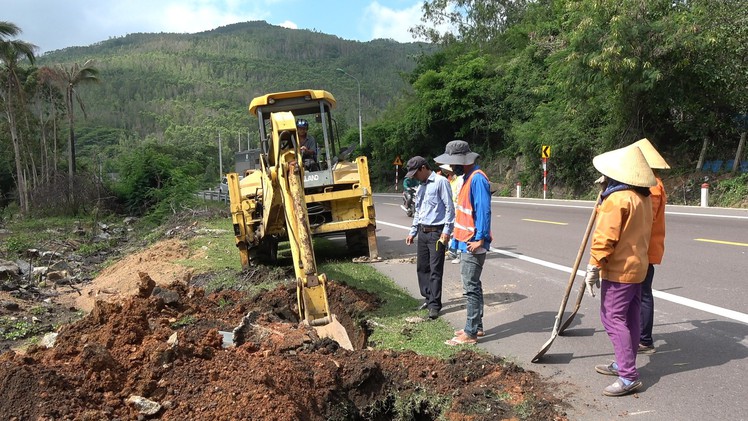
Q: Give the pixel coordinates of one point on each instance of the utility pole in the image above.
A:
(220, 158)
(360, 133)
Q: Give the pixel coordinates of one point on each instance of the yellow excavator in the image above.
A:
(288, 199)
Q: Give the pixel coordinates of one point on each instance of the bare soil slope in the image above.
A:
(151, 348)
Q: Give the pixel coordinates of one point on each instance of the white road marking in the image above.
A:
(588, 205)
(698, 305)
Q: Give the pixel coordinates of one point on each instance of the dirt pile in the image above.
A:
(160, 354)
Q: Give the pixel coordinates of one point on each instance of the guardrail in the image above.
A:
(214, 195)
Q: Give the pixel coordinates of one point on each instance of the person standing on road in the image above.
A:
(472, 234)
(455, 182)
(656, 243)
(618, 254)
(433, 221)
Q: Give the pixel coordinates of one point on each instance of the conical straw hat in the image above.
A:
(446, 167)
(626, 165)
(654, 159)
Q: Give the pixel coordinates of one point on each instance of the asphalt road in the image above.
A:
(700, 369)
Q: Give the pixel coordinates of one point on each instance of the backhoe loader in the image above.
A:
(283, 200)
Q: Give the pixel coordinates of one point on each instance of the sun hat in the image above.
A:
(414, 164)
(446, 167)
(457, 152)
(626, 165)
(654, 159)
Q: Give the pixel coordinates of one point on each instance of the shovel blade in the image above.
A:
(546, 346)
(335, 331)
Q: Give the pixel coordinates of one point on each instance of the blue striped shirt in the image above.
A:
(434, 205)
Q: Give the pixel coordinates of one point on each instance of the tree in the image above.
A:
(477, 22)
(12, 51)
(71, 77)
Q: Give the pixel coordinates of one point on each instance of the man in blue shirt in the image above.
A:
(432, 223)
(472, 234)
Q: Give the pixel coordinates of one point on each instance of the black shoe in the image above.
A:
(424, 305)
(433, 313)
(645, 349)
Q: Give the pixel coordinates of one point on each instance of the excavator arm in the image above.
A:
(288, 179)
(275, 200)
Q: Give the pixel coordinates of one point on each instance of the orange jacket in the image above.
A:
(657, 241)
(621, 238)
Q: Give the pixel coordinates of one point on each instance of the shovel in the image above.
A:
(556, 326)
(566, 324)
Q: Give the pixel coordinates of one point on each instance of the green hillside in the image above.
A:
(578, 77)
(186, 88)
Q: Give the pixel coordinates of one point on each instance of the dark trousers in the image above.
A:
(647, 309)
(430, 267)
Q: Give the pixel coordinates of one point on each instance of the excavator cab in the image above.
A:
(314, 106)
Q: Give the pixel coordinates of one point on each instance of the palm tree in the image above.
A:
(12, 51)
(71, 77)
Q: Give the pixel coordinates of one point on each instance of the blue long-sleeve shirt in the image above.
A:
(480, 199)
(434, 205)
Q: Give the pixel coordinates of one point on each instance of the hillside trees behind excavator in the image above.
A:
(581, 76)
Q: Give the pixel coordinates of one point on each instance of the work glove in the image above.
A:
(592, 278)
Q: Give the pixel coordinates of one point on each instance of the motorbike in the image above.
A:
(409, 201)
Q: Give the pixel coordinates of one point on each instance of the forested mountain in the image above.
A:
(579, 76)
(186, 88)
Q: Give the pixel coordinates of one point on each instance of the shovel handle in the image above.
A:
(569, 285)
(577, 261)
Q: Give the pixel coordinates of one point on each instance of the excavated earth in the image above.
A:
(163, 351)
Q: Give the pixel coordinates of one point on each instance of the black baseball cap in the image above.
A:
(414, 164)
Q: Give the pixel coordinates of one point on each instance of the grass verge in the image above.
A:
(396, 324)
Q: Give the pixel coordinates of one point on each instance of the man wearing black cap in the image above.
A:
(432, 222)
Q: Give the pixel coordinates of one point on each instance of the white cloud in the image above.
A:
(393, 24)
(183, 16)
(288, 24)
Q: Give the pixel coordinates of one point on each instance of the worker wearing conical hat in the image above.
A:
(618, 257)
(656, 243)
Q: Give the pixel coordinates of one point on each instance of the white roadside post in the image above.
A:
(397, 170)
(705, 195)
(545, 176)
(397, 163)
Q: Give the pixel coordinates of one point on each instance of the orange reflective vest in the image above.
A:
(464, 229)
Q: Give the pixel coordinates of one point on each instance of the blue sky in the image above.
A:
(56, 24)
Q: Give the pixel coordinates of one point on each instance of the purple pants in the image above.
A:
(619, 311)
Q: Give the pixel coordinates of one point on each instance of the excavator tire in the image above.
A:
(357, 242)
(268, 250)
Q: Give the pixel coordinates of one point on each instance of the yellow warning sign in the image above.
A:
(545, 151)
(398, 161)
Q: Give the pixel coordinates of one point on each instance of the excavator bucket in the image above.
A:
(335, 331)
(315, 309)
